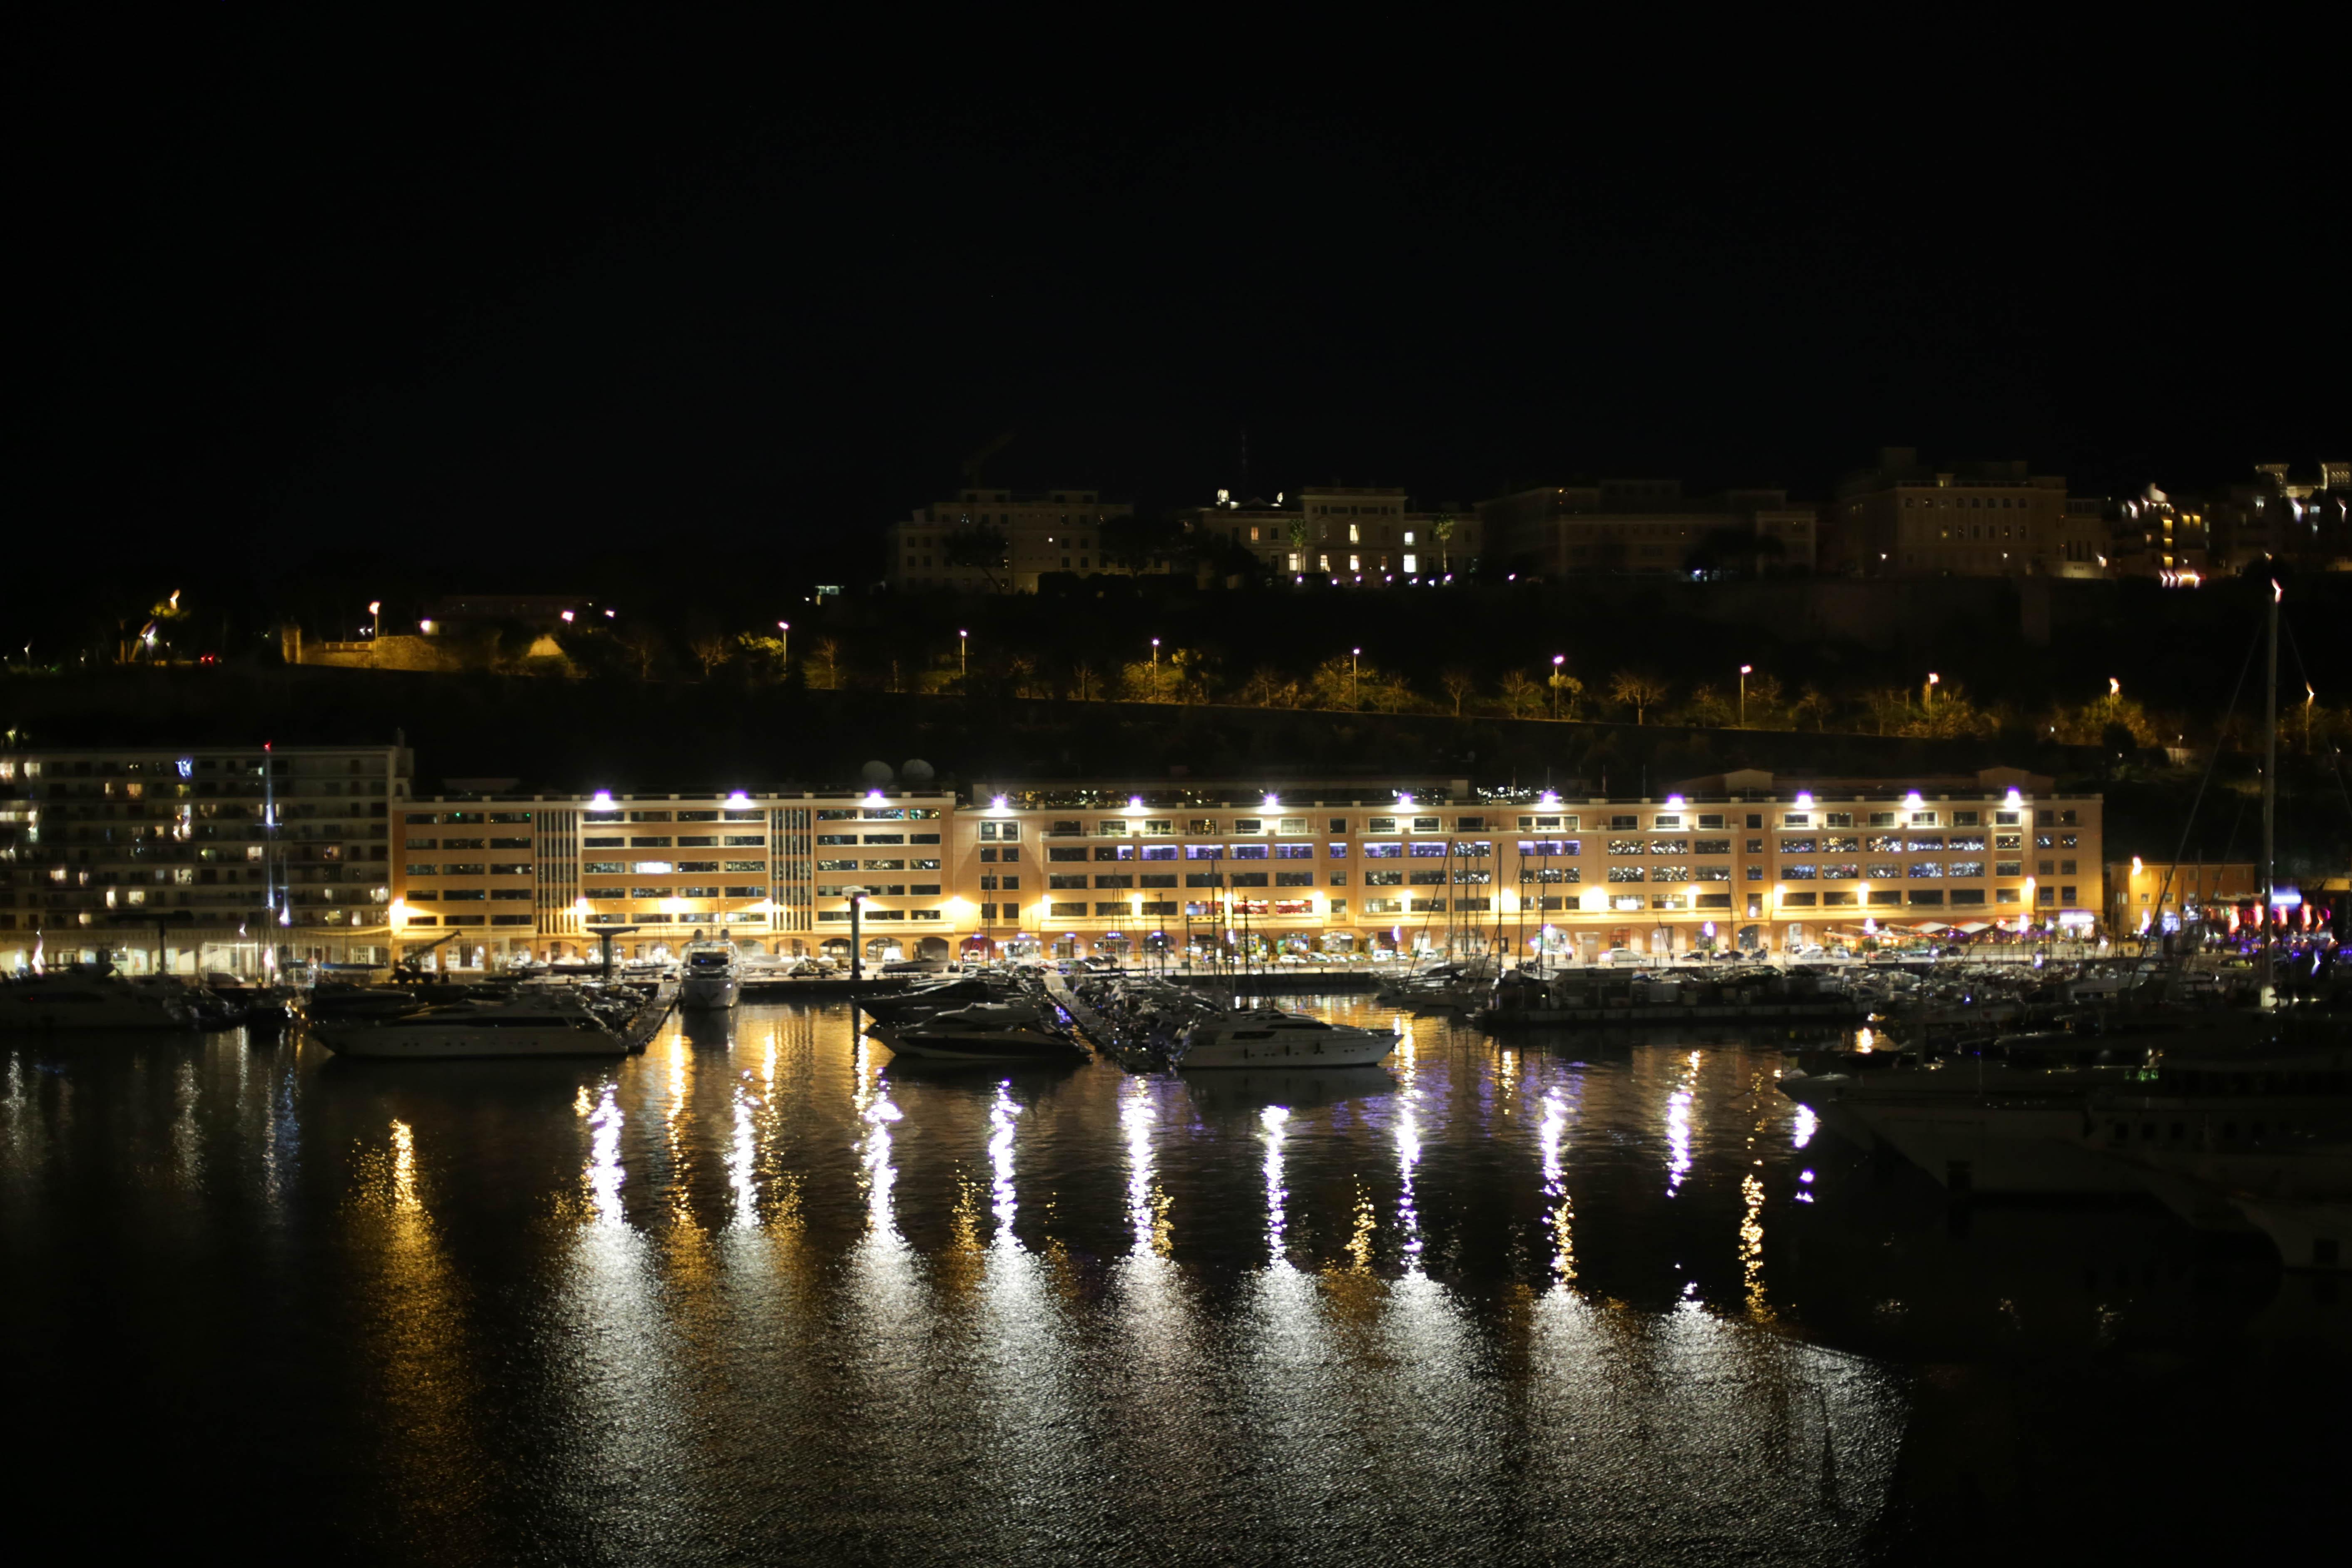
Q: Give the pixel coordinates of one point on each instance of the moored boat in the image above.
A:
(712, 973)
(1266, 1036)
(542, 1024)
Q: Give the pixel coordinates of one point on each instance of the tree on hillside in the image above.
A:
(1459, 684)
(1521, 696)
(1637, 690)
(710, 648)
(1441, 529)
(1269, 688)
(1565, 690)
(1341, 682)
(1708, 709)
(828, 658)
(1085, 677)
(644, 645)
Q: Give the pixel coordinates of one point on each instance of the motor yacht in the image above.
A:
(546, 1024)
(712, 973)
(1266, 1036)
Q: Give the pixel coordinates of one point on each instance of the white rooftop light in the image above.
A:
(1271, 801)
(1805, 798)
(738, 798)
(602, 797)
(1911, 799)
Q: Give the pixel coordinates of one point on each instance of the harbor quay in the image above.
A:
(201, 858)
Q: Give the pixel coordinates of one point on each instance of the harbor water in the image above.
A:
(765, 1294)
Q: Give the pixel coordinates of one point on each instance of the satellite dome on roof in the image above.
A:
(915, 771)
(875, 772)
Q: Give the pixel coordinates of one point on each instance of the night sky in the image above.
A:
(477, 299)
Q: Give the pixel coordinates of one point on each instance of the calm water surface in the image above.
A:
(766, 1294)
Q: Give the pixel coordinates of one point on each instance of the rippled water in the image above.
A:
(768, 1295)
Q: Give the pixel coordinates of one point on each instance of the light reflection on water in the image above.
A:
(773, 1290)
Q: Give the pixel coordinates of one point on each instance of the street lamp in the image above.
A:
(1745, 670)
(786, 628)
(1353, 654)
(376, 608)
(1558, 660)
(963, 653)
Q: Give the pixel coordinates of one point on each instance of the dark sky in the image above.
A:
(479, 295)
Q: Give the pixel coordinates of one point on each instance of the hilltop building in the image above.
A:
(1366, 536)
(1904, 519)
(1648, 527)
(1029, 536)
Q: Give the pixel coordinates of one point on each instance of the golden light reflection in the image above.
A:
(403, 1169)
(1751, 1248)
(1359, 1240)
(1563, 1210)
(426, 1388)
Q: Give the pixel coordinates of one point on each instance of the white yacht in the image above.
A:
(712, 973)
(1265, 1036)
(86, 999)
(541, 1025)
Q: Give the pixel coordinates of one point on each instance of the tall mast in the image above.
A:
(2269, 797)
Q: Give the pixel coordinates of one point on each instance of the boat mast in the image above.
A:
(2269, 799)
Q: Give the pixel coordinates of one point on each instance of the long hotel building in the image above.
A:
(1297, 864)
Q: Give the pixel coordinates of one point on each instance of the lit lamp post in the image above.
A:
(1745, 670)
(1928, 692)
(376, 608)
(784, 628)
(1353, 654)
(963, 653)
(1558, 660)
(856, 946)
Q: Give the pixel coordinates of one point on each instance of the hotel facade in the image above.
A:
(353, 868)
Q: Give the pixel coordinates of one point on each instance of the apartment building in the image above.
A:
(1901, 518)
(188, 859)
(1648, 527)
(1055, 531)
(1368, 536)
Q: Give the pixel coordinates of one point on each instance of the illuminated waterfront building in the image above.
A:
(211, 857)
(1316, 866)
(1304, 865)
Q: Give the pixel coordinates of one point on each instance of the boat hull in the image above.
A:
(979, 1047)
(699, 991)
(460, 1041)
(1345, 1051)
